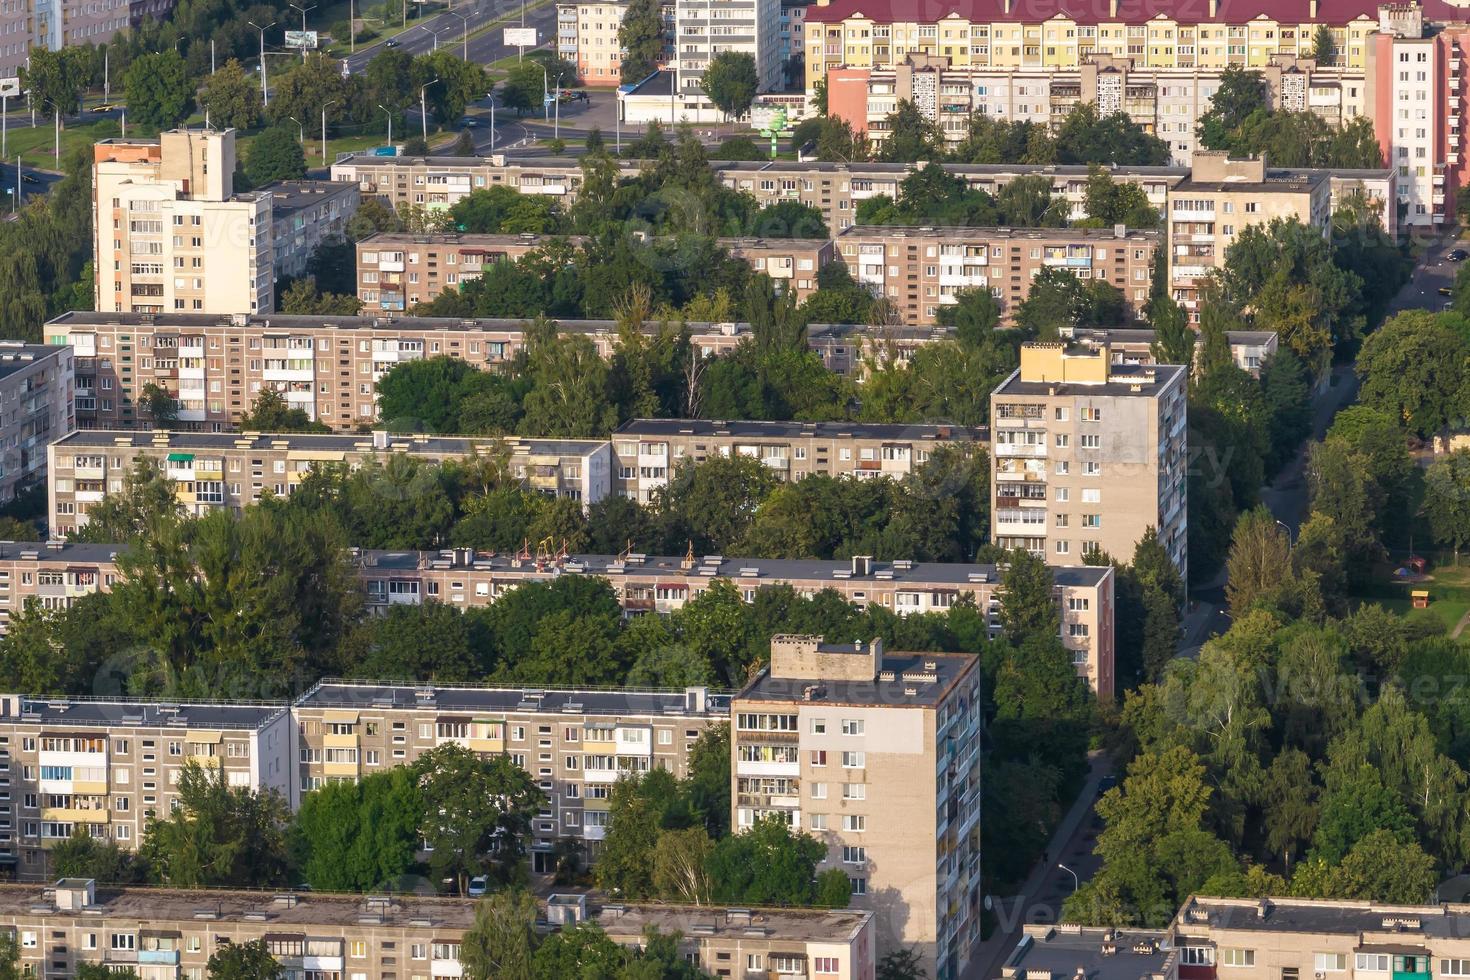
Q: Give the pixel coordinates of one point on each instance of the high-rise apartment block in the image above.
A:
(212, 471)
(106, 765)
(920, 270)
(1220, 199)
(877, 755)
(173, 236)
(705, 28)
(35, 408)
(1088, 453)
(306, 214)
(587, 36)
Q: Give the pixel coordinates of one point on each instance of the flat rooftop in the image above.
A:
(1149, 379)
(290, 196)
(1132, 335)
(1276, 182)
(465, 238)
(1063, 951)
(1378, 924)
(320, 442)
(16, 356)
(969, 232)
(125, 713)
(789, 430)
(791, 925)
(916, 680)
(630, 702)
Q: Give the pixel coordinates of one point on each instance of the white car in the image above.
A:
(479, 884)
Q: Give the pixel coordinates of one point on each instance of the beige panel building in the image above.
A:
(1220, 199)
(877, 755)
(58, 573)
(574, 744)
(106, 765)
(213, 471)
(35, 408)
(792, 262)
(169, 934)
(306, 214)
(171, 233)
(1088, 452)
(396, 271)
(921, 269)
(648, 450)
(587, 36)
(1250, 349)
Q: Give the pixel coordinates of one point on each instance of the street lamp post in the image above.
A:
(177, 41)
(424, 110)
(466, 21)
(390, 122)
(1076, 882)
(303, 24)
(324, 130)
(265, 92)
(300, 132)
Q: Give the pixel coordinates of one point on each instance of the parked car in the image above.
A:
(1458, 255)
(479, 884)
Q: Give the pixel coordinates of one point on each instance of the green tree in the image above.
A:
(1414, 369)
(638, 810)
(1027, 608)
(503, 210)
(360, 836)
(1447, 500)
(471, 806)
(428, 394)
(730, 81)
(231, 97)
(642, 36)
(680, 866)
(56, 79)
(769, 864)
(1324, 47)
(160, 91)
(501, 945)
(243, 961)
(217, 835)
(276, 154)
(1259, 560)
(159, 405)
(1241, 93)
(146, 500)
(270, 412)
(901, 964)
(911, 137)
(83, 856)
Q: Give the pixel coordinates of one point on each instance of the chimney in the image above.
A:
(1214, 9)
(1312, 9)
(862, 566)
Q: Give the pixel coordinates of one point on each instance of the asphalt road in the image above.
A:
(449, 28)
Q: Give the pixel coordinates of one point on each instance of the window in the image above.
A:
(852, 726)
(826, 964)
(854, 791)
(1237, 957)
(854, 855)
(819, 790)
(1376, 963)
(859, 885)
(852, 760)
(1197, 956)
(755, 962)
(819, 726)
(124, 940)
(1337, 963)
(819, 821)
(1448, 968)
(854, 822)
(819, 758)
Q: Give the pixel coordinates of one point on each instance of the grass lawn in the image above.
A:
(1449, 596)
(36, 145)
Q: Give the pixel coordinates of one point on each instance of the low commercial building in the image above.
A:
(920, 269)
(56, 574)
(106, 765)
(170, 934)
(573, 743)
(220, 470)
(877, 755)
(1088, 453)
(1277, 937)
(36, 406)
(305, 214)
(646, 451)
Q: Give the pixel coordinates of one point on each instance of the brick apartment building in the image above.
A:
(1088, 452)
(222, 470)
(35, 408)
(877, 755)
(646, 451)
(920, 269)
(170, 934)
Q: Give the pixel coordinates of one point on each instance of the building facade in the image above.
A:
(876, 755)
(920, 270)
(587, 36)
(705, 28)
(305, 214)
(36, 407)
(1088, 452)
(1250, 349)
(213, 471)
(793, 263)
(397, 270)
(170, 934)
(106, 765)
(171, 233)
(646, 451)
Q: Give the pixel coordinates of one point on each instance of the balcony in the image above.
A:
(158, 957)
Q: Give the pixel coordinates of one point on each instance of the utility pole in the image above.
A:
(351, 28)
(424, 110)
(324, 130)
(4, 126)
(466, 54)
(265, 92)
(106, 72)
(390, 122)
(211, 56)
(303, 25)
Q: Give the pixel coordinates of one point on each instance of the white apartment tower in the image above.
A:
(171, 234)
(705, 28)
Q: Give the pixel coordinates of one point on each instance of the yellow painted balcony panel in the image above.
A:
(89, 787)
(330, 741)
(340, 769)
(75, 816)
(486, 744)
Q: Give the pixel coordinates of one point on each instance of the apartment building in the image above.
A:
(587, 36)
(1088, 452)
(171, 233)
(1279, 937)
(397, 270)
(1101, 952)
(1212, 35)
(1221, 198)
(305, 214)
(170, 934)
(835, 189)
(705, 28)
(106, 765)
(573, 743)
(645, 451)
(35, 408)
(876, 754)
(329, 366)
(793, 263)
(920, 269)
(1165, 102)
(221, 470)
(58, 573)
(1250, 349)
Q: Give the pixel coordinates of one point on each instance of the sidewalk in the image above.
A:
(988, 956)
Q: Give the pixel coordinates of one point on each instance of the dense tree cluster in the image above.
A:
(1240, 119)
(45, 255)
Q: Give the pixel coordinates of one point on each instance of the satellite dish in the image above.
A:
(989, 904)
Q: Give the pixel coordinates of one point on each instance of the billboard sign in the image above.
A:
(10, 87)
(520, 37)
(301, 39)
